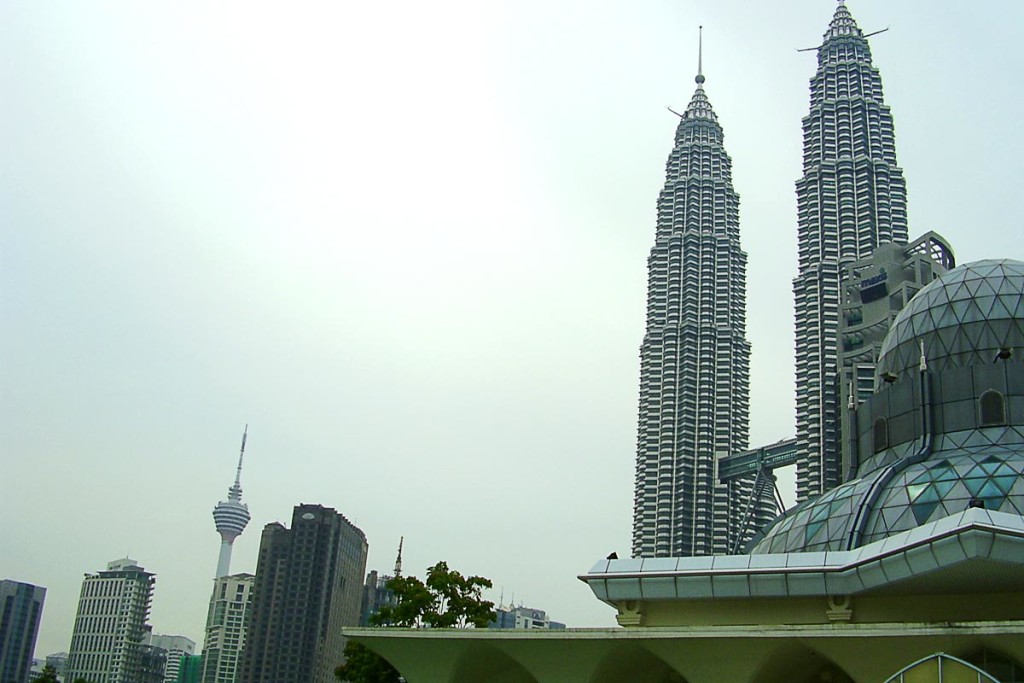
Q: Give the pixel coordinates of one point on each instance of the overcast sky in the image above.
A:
(406, 242)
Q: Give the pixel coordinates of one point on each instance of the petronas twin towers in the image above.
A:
(695, 359)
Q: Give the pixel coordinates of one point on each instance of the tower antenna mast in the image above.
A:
(700, 55)
(241, 454)
(398, 560)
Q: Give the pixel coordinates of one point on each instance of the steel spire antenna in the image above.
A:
(237, 488)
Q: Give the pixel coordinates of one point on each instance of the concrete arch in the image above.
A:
(635, 664)
(797, 663)
(488, 664)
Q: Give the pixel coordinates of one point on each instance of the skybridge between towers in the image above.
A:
(759, 462)
(778, 454)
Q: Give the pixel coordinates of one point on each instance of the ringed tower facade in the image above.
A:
(694, 359)
(851, 198)
(231, 516)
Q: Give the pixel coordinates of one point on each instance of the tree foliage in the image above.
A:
(446, 600)
(48, 675)
(362, 665)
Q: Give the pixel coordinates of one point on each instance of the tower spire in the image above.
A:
(700, 56)
(398, 560)
(235, 492)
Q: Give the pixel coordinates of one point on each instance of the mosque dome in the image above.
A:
(971, 324)
(966, 316)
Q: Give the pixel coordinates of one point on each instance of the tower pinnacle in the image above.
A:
(700, 56)
(231, 516)
(398, 560)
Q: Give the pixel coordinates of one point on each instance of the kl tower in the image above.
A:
(231, 516)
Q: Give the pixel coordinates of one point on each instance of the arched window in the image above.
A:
(881, 434)
(993, 409)
(997, 665)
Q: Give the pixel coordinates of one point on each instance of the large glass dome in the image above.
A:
(967, 316)
(972, 315)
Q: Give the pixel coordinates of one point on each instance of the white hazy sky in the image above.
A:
(406, 242)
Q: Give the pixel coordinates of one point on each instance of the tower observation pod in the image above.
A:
(231, 516)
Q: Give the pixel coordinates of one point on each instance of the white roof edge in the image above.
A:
(807, 574)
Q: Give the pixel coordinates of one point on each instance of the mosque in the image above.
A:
(912, 570)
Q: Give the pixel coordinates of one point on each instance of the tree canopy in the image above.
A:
(446, 600)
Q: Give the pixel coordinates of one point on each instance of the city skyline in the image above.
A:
(205, 235)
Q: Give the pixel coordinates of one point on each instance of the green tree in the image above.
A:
(446, 600)
(48, 675)
(362, 665)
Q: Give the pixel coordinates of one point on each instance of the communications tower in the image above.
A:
(231, 515)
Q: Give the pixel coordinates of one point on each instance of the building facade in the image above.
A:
(695, 359)
(21, 608)
(176, 647)
(110, 626)
(226, 624)
(523, 617)
(851, 199)
(308, 586)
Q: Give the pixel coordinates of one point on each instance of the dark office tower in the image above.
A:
(21, 608)
(308, 586)
(851, 198)
(695, 359)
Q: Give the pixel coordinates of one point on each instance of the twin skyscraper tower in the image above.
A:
(695, 359)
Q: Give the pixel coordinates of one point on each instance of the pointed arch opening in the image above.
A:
(635, 664)
(486, 664)
(794, 663)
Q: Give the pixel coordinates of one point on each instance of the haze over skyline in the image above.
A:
(407, 244)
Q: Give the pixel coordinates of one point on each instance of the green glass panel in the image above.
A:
(1004, 483)
(992, 496)
(922, 511)
(930, 495)
(915, 490)
(942, 488)
(811, 529)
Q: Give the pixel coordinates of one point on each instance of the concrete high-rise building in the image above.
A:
(21, 608)
(874, 290)
(110, 627)
(226, 624)
(851, 199)
(153, 664)
(231, 516)
(695, 359)
(523, 617)
(308, 586)
(376, 593)
(176, 648)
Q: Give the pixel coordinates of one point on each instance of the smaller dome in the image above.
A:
(966, 316)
